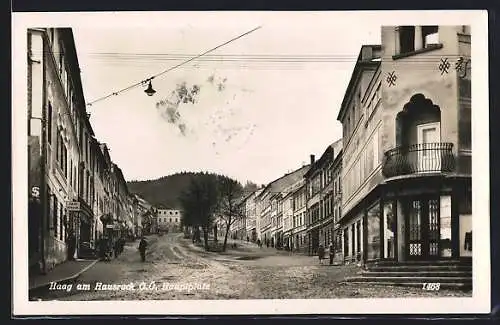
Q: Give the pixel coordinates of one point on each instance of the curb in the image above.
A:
(67, 279)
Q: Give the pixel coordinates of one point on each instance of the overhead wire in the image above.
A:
(172, 68)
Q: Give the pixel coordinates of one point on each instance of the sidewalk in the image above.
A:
(63, 272)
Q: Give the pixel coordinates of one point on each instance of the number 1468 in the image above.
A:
(431, 286)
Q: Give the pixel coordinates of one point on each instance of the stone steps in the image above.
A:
(418, 268)
(424, 273)
(449, 273)
(411, 279)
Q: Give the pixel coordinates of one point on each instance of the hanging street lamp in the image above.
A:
(150, 91)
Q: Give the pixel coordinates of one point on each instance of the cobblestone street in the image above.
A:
(176, 269)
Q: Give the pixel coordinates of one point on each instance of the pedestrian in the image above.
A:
(116, 247)
(331, 252)
(142, 248)
(122, 244)
(102, 248)
(71, 244)
(321, 254)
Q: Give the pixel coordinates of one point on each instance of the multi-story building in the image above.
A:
(169, 219)
(238, 229)
(264, 205)
(337, 205)
(320, 199)
(287, 218)
(406, 162)
(101, 193)
(147, 215)
(290, 223)
(251, 216)
(265, 216)
(56, 109)
(275, 213)
(298, 232)
(108, 217)
(313, 198)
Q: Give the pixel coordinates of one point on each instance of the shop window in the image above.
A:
(61, 224)
(373, 229)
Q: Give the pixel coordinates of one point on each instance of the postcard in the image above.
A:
(201, 163)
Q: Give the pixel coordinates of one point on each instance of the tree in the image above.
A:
(230, 207)
(199, 203)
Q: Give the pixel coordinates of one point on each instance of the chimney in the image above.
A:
(312, 159)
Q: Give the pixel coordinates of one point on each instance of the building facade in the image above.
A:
(320, 199)
(169, 219)
(337, 206)
(270, 205)
(298, 233)
(69, 187)
(251, 216)
(56, 109)
(407, 148)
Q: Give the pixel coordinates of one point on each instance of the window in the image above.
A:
(61, 58)
(430, 35)
(49, 123)
(54, 210)
(61, 223)
(406, 39)
(354, 120)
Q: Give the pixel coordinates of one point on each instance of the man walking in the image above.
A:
(142, 248)
(331, 251)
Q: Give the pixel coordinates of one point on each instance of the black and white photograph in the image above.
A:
(250, 162)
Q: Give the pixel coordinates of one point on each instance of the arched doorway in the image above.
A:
(418, 137)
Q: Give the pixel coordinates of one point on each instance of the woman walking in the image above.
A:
(321, 254)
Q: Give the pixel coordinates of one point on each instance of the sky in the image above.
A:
(255, 117)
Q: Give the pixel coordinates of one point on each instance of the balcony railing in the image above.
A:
(419, 158)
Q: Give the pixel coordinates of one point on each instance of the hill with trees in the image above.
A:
(166, 191)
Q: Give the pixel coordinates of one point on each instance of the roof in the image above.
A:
(280, 184)
(330, 152)
(366, 58)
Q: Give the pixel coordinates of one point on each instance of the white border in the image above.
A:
(479, 303)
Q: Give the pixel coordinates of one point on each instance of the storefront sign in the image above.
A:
(73, 206)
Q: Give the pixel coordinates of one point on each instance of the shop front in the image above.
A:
(426, 219)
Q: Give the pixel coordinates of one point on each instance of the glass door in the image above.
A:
(428, 138)
(423, 229)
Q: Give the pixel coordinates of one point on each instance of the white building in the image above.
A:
(169, 219)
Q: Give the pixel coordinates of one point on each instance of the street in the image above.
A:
(177, 269)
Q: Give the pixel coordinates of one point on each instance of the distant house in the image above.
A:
(169, 219)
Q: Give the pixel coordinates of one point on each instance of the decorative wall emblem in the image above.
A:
(462, 66)
(391, 78)
(444, 65)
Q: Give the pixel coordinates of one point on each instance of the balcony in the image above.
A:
(419, 159)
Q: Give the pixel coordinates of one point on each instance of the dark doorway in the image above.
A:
(422, 228)
(346, 242)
